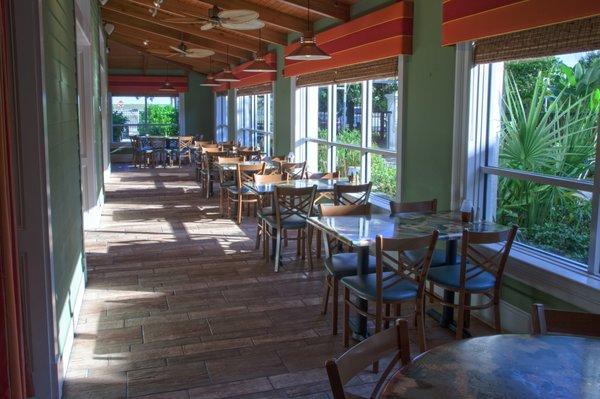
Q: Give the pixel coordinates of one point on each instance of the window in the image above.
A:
(144, 115)
(535, 124)
(254, 117)
(351, 125)
(222, 118)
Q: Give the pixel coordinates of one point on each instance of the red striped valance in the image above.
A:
(135, 84)
(381, 34)
(248, 79)
(466, 20)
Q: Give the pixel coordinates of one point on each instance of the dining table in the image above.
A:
(360, 233)
(509, 366)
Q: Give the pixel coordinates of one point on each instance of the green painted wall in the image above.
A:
(199, 108)
(61, 121)
(97, 96)
(231, 115)
(284, 110)
(429, 95)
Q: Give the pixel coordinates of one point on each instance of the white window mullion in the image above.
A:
(332, 118)
(594, 251)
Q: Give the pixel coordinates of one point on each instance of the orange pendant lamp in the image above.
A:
(226, 75)
(259, 64)
(210, 80)
(308, 49)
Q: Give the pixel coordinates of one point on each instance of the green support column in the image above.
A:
(231, 115)
(284, 109)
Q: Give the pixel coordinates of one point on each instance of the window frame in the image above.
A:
(221, 117)
(247, 132)
(472, 173)
(303, 137)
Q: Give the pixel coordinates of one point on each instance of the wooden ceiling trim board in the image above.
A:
(178, 8)
(270, 16)
(325, 8)
(153, 29)
(140, 12)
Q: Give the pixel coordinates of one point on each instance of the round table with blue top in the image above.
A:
(507, 366)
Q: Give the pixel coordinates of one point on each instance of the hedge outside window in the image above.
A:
(144, 115)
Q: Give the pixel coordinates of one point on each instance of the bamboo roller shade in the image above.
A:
(384, 68)
(263, 88)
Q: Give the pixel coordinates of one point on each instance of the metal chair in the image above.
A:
(370, 351)
(479, 272)
(546, 321)
(341, 264)
(405, 282)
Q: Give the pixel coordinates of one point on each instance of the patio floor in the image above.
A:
(179, 304)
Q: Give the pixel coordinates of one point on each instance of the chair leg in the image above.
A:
(277, 249)
(460, 321)
(326, 295)
(258, 233)
(419, 318)
(378, 323)
(308, 248)
(386, 323)
(319, 244)
(285, 238)
(398, 310)
(298, 241)
(334, 306)
(239, 210)
(497, 321)
(265, 240)
(346, 317)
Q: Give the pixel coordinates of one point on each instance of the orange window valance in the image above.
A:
(248, 79)
(467, 20)
(136, 84)
(379, 35)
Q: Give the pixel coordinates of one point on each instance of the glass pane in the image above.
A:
(161, 116)
(549, 116)
(384, 117)
(260, 112)
(323, 154)
(383, 175)
(323, 110)
(271, 110)
(349, 113)
(551, 218)
(126, 116)
(347, 158)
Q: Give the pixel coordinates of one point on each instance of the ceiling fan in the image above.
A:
(183, 51)
(228, 19)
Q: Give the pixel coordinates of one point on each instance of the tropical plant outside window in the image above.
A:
(144, 115)
(352, 125)
(254, 118)
(548, 128)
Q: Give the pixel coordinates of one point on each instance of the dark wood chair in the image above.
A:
(398, 208)
(351, 194)
(250, 155)
(207, 173)
(226, 179)
(391, 341)
(342, 264)
(293, 170)
(265, 208)
(553, 321)
(292, 207)
(404, 282)
(324, 175)
(240, 194)
(479, 272)
(185, 149)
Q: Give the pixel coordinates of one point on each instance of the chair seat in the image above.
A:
(266, 211)
(345, 264)
(291, 223)
(449, 276)
(395, 289)
(236, 191)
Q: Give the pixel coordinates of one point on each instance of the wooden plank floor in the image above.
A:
(179, 304)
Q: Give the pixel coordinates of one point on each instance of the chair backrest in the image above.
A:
(136, 143)
(474, 261)
(245, 173)
(185, 142)
(202, 143)
(340, 210)
(546, 321)
(372, 349)
(397, 208)
(210, 157)
(210, 148)
(392, 253)
(324, 175)
(226, 160)
(294, 170)
(360, 194)
(292, 201)
(158, 143)
(268, 179)
(250, 154)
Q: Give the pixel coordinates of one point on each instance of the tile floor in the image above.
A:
(180, 305)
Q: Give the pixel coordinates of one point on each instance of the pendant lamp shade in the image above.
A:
(308, 51)
(167, 87)
(226, 76)
(260, 65)
(210, 79)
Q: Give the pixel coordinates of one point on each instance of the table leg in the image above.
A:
(360, 327)
(448, 311)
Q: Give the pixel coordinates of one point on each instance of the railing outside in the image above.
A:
(256, 139)
(125, 131)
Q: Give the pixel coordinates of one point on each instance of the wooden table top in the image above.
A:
(503, 366)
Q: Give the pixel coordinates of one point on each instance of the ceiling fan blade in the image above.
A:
(177, 49)
(207, 26)
(238, 16)
(184, 20)
(252, 25)
(199, 53)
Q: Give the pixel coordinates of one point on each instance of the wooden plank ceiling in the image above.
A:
(138, 34)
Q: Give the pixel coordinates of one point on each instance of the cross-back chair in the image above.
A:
(139, 152)
(393, 340)
(323, 175)
(480, 271)
(293, 170)
(159, 151)
(351, 194)
(265, 208)
(208, 172)
(545, 321)
(398, 208)
(185, 149)
(404, 282)
(292, 207)
(339, 264)
(250, 155)
(226, 179)
(240, 194)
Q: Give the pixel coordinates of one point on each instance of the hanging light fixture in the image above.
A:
(226, 75)
(210, 80)
(308, 50)
(259, 64)
(167, 87)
